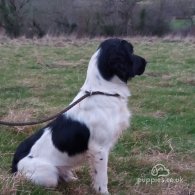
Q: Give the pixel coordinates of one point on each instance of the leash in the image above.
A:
(87, 94)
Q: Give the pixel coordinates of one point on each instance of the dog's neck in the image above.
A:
(95, 82)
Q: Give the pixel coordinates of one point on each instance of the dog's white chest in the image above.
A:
(106, 117)
(121, 121)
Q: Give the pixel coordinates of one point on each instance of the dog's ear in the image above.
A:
(128, 46)
(122, 71)
(121, 66)
(139, 65)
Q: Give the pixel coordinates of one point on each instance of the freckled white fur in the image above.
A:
(105, 116)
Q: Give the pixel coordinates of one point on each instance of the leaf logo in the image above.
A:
(160, 170)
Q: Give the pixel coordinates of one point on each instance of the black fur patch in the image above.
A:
(69, 135)
(116, 58)
(139, 64)
(24, 148)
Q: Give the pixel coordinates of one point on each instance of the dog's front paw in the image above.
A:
(69, 179)
(70, 176)
(101, 189)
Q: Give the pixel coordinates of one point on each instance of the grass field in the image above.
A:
(40, 77)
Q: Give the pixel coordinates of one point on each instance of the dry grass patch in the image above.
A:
(24, 115)
(189, 81)
(64, 64)
(159, 114)
(16, 115)
(10, 184)
(163, 189)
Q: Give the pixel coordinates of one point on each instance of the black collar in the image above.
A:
(90, 93)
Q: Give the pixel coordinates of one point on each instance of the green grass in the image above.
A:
(180, 24)
(38, 78)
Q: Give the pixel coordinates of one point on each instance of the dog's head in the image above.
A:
(116, 58)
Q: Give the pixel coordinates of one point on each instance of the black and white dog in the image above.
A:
(90, 129)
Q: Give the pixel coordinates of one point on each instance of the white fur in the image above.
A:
(105, 116)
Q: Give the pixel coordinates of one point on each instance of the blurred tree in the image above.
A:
(11, 16)
(142, 22)
(126, 10)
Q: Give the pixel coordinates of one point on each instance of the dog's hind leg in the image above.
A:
(38, 171)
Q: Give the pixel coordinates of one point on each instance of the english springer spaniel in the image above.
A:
(90, 129)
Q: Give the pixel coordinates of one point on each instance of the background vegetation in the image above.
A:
(97, 17)
(41, 76)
